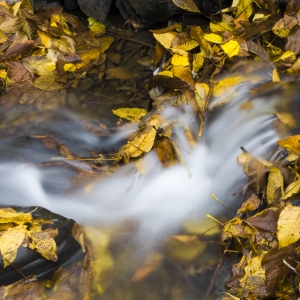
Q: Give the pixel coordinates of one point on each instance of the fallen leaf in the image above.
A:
(20, 48)
(275, 185)
(96, 28)
(131, 114)
(10, 241)
(231, 48)
(291, 144)
(212, 37)
(178, 60)
(288, 226)
(188, 5)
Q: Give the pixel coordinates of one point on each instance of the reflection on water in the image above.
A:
(132, 216)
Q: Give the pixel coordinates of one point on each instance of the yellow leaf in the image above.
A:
(3, 37)
(286, 56)
(291, 144)
(214, 38)
(47, 82)
(105, 43)
(8, 215)
(226, 83)
(288, 226)
(281, 29)
(295, 67)
(231, 48)
(165, 39)
(131, 114)
(16, 7)
(70, 67)
(220, 27)
(292, 190)
(96, 28)
(184, 74)
(90, 54)
(40, 65)
(178, 60)
(287, 119)
(198, 61)
(60, 22)
(188, 45)
(165, 73)
(10, 241)
(275, 185)
(275, 76)
(244, 7)
(187, 5)
(143, 143)
(3, 73)
(45, 39)
(202, 89)
(43, 242)
(64, 44)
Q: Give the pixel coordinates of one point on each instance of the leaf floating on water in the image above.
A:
(131, 114)
(288, 226)
(188, 5)
(168, 82)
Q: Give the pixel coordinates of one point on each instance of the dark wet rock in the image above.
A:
(71, 5)
(97, 9)
(28, 262)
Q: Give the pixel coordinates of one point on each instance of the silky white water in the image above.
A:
(162, 198)
(157, 200)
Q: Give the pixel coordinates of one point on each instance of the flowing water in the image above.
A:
(138, 211)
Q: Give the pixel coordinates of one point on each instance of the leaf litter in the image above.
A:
(51, 51)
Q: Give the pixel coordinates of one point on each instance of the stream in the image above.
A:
(135, 213)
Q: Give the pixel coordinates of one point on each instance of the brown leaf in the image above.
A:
(251, 204)
(20, 48)
(265, 220)
(272, 262)
(168, 82)
(185, 75)
(293, 40)
(258, 50)
(165, 151)
(17, 72)
(187, 5)
(75, 22)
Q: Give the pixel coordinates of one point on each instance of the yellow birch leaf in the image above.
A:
(143, 143)
(43, 242)
(287, 119)
(286, 56)
(40, 65)
(8, 215)
(275, 185)
(281, 29)
(27, 5)
(244, 7)
(184, 74)
(165, 39)
(10, 241)
(3, 73)
(188, 45)
(89, 54)
(131, 114)
(214, 38)
(288, 226)
(64, 44)
(220, 27)
(198, 61)
(231, 48)
(16, 7)
(202, 90)
(47, 82)
(292, 190)
(70, 67)
(62, 23)
(188, 5)
(166, 73)
(275, 76)
(180, 52)
(3, 37)
(105, 43)
(291, 144)
(45, 39)
(96, 28)
(224, 84)
(180, 61)
(295, 67)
